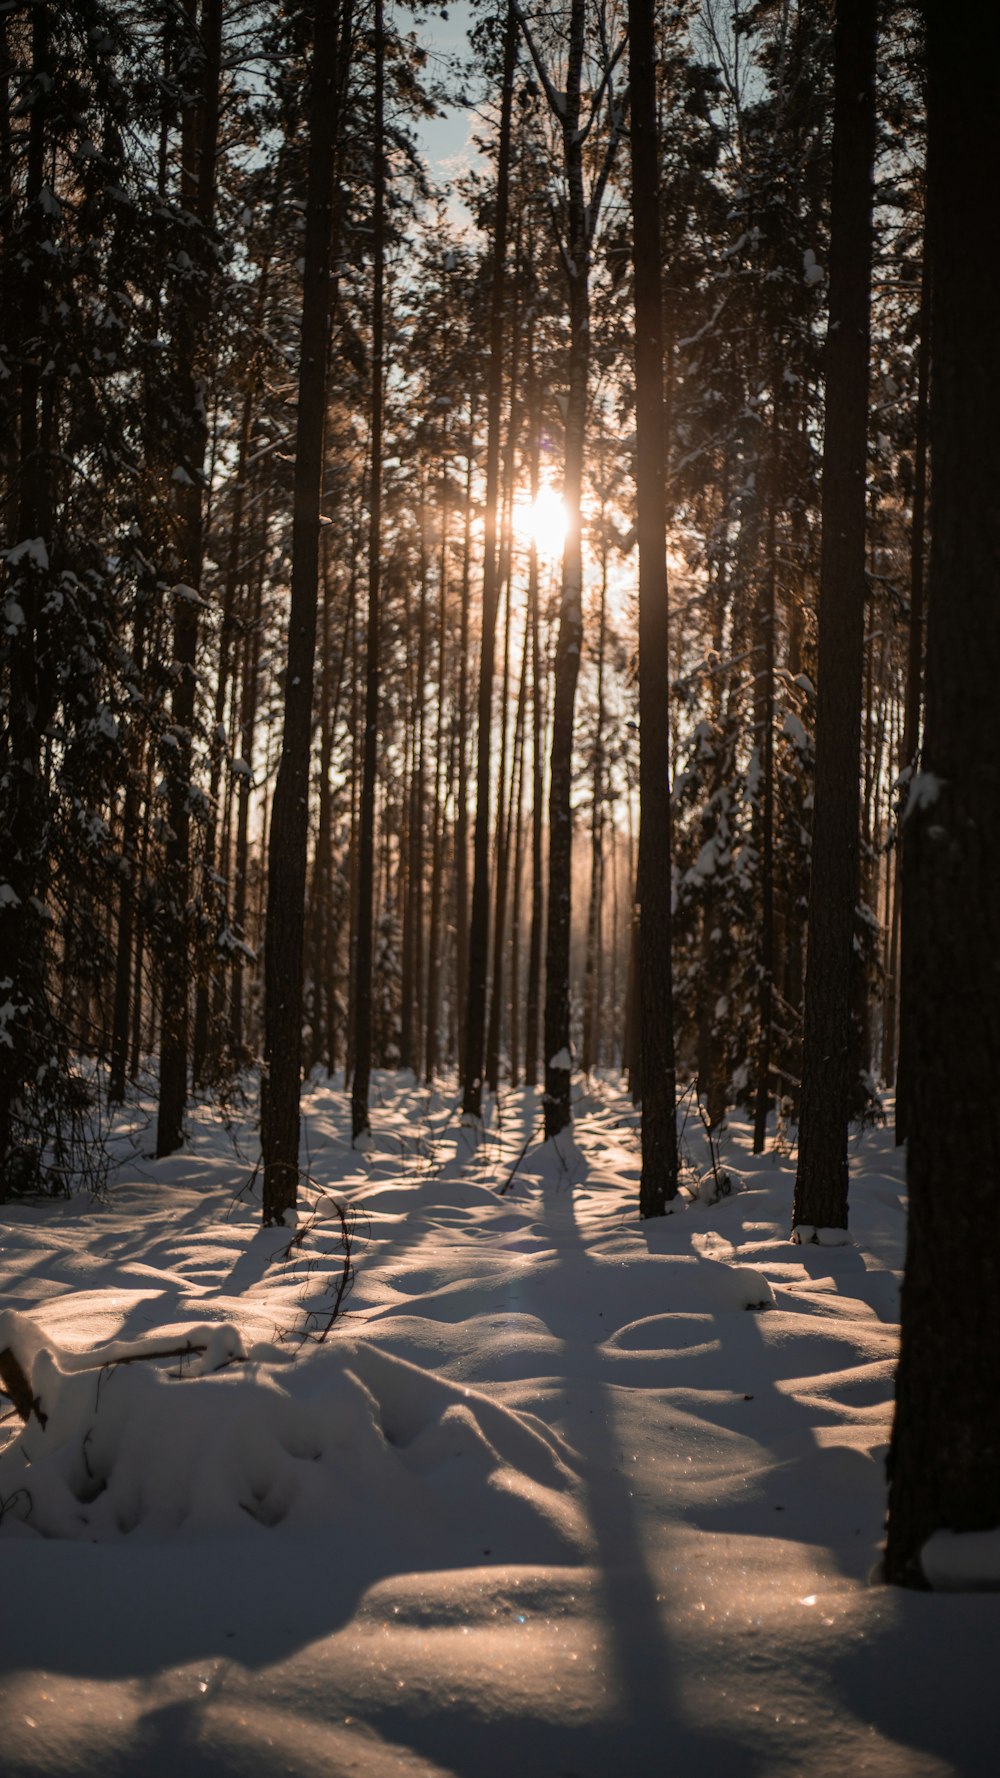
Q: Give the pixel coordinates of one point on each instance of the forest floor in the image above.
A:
(558, 1495)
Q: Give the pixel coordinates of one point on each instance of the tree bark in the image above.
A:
(462, 781)
(289, 831)
(658, 1183)
(360, 1125)
(533, 992)
(479, 922)
(914, 663)
(558, 1053)
(766, 619)
(592, 962)
(434, 958)
(821, 1181)
(198, 156)
(944, 1460)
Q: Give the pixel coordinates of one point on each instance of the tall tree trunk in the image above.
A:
(766, 619)
(655, 976)
(248, 723)
(412, 985)
(462, 785)
(360, 1126)
(337, 908)
(125, 987)
(821, 1181)
(225, 671)
(558, 1053)
(914, 663)
(289, 830)
(533, 991)
(505, 792)
(199, 142)
(591, 990)
(500, 853)
(890, 1015)
(321, 1012)
(504, 848)
(138, 995)
(475, 1012)
(944, 1458)
(434, 959)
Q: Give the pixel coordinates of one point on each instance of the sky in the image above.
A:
(446, 141)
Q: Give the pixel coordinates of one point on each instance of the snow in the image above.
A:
(33, 550)
(963, 1560)
(812, 272)
(924, 790)
(559, 1492)
(795, 730)
(561, 1059)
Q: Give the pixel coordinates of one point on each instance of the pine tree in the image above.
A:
(360, 1124)
(200, 79)
(821, 1180)
(944, 1461)
(474, 1051)
(658, 1182)
(284, 941)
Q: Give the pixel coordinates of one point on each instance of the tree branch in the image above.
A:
(556, 101)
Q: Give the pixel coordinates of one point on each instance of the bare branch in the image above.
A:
(618, 115)
(610, 64)
(556, 101)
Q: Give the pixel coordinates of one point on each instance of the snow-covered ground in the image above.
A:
(559, 1495)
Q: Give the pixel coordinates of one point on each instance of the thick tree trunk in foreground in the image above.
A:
(289, 831)
(945, 1455)
(821, 1181)
(658, 1183)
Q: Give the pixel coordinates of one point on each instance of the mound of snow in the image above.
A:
(346, 1436)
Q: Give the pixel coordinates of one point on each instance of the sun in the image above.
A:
(542, 522)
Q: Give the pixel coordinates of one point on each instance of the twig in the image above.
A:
(508, 1182)
(348, 1222)
(18, 1388)
(706, 1122)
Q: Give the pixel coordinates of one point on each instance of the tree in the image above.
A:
(75, 572)
(202, 69)
(656, 1031)
(587, 88)
(821, 1181)
(285, 932)
(944, 1460)
(360, 1127)
(479, 919)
